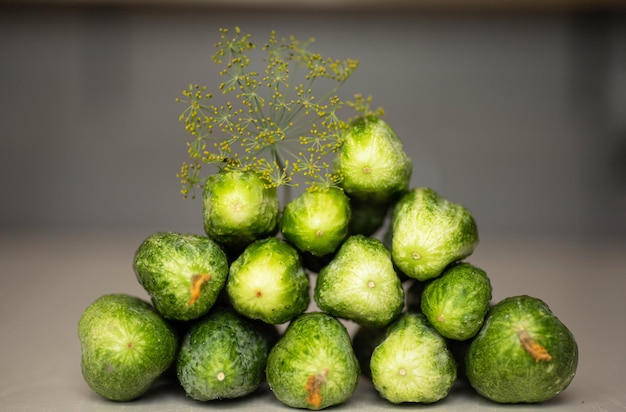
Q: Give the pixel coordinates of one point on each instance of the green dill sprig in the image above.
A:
(272, 121)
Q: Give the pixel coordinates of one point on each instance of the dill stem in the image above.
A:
(288, 88)
(281, 169)
(258, 109)
(331, 92)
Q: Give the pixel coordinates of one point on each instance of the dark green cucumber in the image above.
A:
(457, 302)
(182, 273)
(125, 346)
(522, 354)
(222, 356)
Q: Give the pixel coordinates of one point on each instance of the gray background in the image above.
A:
(520, 116)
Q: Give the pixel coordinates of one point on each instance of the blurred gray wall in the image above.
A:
(520, 117)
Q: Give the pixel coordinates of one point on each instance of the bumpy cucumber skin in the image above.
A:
(500, 369)
(372, 161)
(222, 356)
(360, 284)
(457, 302)
(267, 282)
(165, 264)
(430, 232)
(317, 222)
(412, 363)
(313, 365)
(238, 208)
(125, 346)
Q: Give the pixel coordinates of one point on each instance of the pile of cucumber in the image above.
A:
(368, 280)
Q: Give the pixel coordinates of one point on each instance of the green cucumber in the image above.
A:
(317, 222)
(412, 363)
(360, 284)
(456, 302)
(267, 282)
(430, 232)
(125, 346)
(183, 273)
(522, 354)
(239, 208)
(313, 365)
(222, 356)
(372, 161)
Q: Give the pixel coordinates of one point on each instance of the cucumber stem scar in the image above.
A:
(197, 280)
(538, 352)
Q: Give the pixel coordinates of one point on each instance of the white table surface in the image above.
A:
(46, 281)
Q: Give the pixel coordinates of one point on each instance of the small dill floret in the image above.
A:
(362, 106)
(271, 119)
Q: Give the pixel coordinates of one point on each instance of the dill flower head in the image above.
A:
(272, 121)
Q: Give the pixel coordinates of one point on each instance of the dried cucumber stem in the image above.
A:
(313, 387)
(195, 289)
(538, 352)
